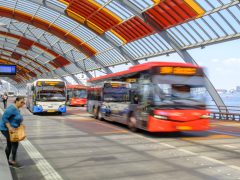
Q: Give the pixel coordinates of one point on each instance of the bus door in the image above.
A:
(116, 103)
(143, 106)
(111, 111)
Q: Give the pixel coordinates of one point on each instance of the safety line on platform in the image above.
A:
(226, 133)
(189, 152)
(48, 172)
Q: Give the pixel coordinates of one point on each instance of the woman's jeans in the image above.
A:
(11, 146)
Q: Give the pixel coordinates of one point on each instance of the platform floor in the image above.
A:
(75, 146)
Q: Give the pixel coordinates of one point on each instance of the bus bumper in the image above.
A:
(78, 102)
(158, 125)
(37, 109)
(62, 109)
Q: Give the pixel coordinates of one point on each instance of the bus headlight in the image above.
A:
(206, 116)
(39, 106)
(160, 116)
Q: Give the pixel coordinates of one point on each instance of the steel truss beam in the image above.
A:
(51, 48)
(69, 73)
(125, 54)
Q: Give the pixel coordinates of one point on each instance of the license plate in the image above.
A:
(184, 128)
(51, 111)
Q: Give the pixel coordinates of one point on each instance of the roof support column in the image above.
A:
(189, 59)
(106, 69)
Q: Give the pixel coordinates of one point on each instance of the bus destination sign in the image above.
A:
(50, 83)
(178, 70)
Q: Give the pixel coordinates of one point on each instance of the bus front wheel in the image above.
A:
(95, 112)
(100, 117)
(132, 123)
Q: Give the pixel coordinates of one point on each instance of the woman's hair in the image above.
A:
(19, 98)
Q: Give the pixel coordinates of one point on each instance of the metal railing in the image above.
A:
(224, 113)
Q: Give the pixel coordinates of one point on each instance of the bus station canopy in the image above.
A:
(68, 38)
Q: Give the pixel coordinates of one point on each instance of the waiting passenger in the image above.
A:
(4, 99)
(135, 99)
(11, 120)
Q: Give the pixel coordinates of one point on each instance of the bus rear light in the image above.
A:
(159, 116)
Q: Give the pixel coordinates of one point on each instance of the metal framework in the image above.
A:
(64, 38)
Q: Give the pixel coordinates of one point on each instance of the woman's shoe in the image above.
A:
(15, 164)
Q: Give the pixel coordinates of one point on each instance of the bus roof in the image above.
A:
(141, 67)
(76, 86)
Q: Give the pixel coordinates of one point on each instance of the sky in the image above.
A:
(221, 62)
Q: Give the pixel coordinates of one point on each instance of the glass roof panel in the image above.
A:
(69, 26)
(99, 44)
(9, 4)
(72, 68)
(119, 10)
(6, 53)
(42, 59)
(76, 55)
(143, 4)
(70, 80)
(61, 72)
(223, 23)
(24, 6)
(114, 38)
(110, 58)
(82, 32)
(47, 14)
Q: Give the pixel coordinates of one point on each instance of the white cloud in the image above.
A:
(232, 61)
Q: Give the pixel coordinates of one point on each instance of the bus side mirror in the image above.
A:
(32, 88)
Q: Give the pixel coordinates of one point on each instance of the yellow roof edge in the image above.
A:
(119, 36)
(94, 27)
(156, 2)
(64, 2)
(75, 16)
(196, 7)
(106, 10)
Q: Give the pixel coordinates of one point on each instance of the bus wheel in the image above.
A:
(132, 123)
(95, 112)
(100, 117)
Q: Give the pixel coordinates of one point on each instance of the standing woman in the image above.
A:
(5, 98)
(11, 120)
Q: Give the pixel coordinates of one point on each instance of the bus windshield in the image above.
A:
(175, 91)
(116, 92)
(50, 93)
(79, 93)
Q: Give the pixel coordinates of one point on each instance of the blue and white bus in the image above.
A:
(46, 95)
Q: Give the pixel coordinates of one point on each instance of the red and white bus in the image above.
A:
(155, 96)
(76, 95)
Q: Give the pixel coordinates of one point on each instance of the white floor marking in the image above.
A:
(44, 167)
(235, 167)
(229, 146)
(188, 152)
(167, 145)
(48, 172)
(211, 159)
